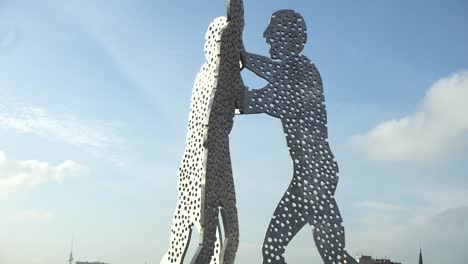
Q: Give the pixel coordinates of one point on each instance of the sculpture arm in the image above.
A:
(262, 66)
(241, 90)
(317, 83)
(235, 12)
(259, 101)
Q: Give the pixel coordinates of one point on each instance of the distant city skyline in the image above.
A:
(370, 260)
(94, 103)
(360, 258)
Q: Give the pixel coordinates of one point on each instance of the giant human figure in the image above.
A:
(294, 94)
(205, 181)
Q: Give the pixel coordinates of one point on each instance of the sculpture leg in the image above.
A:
(217, 259)
(231, 231)
(349, 259)
(208, 235)
(180, 236)
(229, 214)
(329, 233)
(284, 225)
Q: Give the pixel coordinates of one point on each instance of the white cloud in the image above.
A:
(439, 225)
(24, 175)
(436, 131)
(97, 140)
(38, 121)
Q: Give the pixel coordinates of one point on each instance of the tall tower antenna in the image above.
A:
(420, 256)
(70, 258)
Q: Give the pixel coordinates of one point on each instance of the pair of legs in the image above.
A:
(209, 250)
(209, 242)
(187, 214)
(298, 208)
(181, 232)
(219, 197)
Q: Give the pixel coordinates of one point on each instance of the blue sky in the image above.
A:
(94, 101)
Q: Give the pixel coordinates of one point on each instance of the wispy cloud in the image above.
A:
(36, 120)
(95, 139)
(26, 174)
(435, 132)
(439, 223)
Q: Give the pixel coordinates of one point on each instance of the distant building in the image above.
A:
(370, 260)
(70, 258)
(82, 262)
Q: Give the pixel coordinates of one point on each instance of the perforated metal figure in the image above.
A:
(192, 168)
(295, 95)
(219, 194)
(205, 181)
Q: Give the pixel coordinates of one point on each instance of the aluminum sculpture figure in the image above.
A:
(205, 181)
(294, 94)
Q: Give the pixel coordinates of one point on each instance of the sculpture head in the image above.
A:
(213, 36)
(286, 34)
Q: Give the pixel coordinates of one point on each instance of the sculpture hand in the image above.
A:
(243, 55)
(241, 101)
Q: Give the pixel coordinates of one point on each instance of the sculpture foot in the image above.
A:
(349, 259)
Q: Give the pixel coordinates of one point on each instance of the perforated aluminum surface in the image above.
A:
(205, 180)
(295, 95)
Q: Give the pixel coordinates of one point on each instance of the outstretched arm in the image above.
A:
(235, 12)
(260, 101)
(262, 66)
